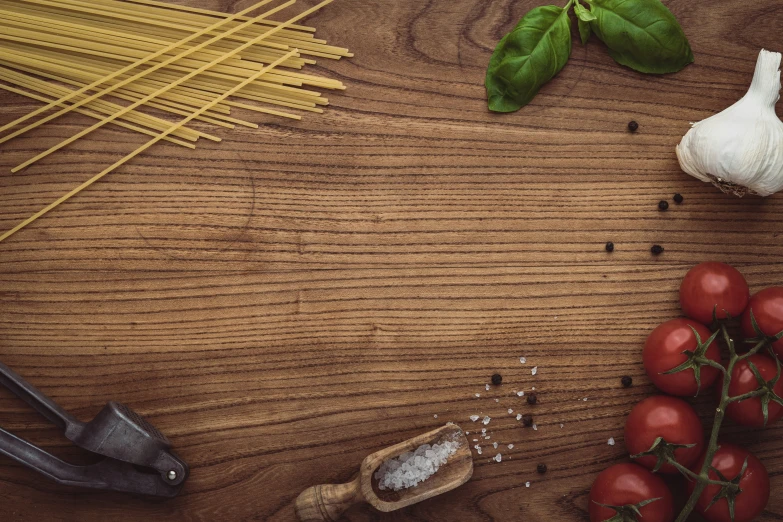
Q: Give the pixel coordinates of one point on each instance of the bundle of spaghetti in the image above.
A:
(73, 54)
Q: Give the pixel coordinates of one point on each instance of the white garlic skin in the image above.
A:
(741, 148)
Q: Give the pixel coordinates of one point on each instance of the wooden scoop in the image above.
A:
(326, 502)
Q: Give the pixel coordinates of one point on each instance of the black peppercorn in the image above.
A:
(527, 420)
(663, 205)
(532, 398)
(497, 379)
(633, 126)
(626, 381)
(610, 247)
(656, 249)
(541, 468)
(678, 198)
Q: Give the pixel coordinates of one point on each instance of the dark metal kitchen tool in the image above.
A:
(125, 439)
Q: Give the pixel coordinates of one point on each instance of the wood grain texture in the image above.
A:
(286, 302)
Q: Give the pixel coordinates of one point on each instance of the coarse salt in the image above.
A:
(611, 441)
(486, 420)
(561, 426)
(510, 411)
(498, 458)
(478, 395)
(534, 370)
(436, 415)
(486, 387)
(520, 393)
(527, 484)
(497, 400)
(519, 416)
(535, 427)
(474, 418)
(510, 446)
(413, 467)
(523, 360)
(495, 445)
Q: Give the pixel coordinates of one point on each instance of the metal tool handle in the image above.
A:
(108, 474)
(43, 404)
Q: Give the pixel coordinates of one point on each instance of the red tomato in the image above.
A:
(667, 417)
(628, 485)
(708, 285)
(748, 412)
(663, 351)
(754, 485)
(767, 307)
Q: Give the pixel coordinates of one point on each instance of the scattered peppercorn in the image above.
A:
(527, 420)
(633, 126)
(541, 468)
(497, 379)
(610, 247)
(678, 198)
(663, 205)
(656, 249)
(626, 381)
(532, 398)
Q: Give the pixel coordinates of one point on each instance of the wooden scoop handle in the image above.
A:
(326, 502)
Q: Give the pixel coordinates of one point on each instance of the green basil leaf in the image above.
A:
(583, 13)
(641, 34)
(584, 30)
(528, 57)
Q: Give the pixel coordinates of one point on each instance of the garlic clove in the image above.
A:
(740, 150)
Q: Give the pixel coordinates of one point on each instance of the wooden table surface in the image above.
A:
(290, 300)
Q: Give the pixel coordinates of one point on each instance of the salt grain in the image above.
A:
(611, 441)
(475, 440)
(523, 360)
(498, 458)
(497, 400)
(510, 411)
(486, 421)
(585, 399)
(495, 445)
(561, 426)
(486, 437)
(510, 446)
(534, 370)
(533, 388)
(474, 418)
(478, 395)
(486, 387)
(411, 468)
(483, 431)
(527, 484)
(478, 450)
(436, 415)
(535, 427)
(520, 394)
(519, 416)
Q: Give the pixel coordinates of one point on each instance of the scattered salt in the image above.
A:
(475, 440)
(483, 431)
(486, 437)
(498, 458)
(533, 388)
(535, 427)
(534, 370)
(411, 468)
(510, 446)
(611, 441)
(486, 387)
(495, 445)
(474, 418)
(478, 450)
(527, 484)
(520, 393)
(585, 399)
(478, 395)
(497, 400)
(510, 411)
(523, 360)
(436, 415)
(486, 421)
(519, 416)
(561, 426)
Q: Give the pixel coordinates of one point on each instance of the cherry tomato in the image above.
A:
(629, 485)
(767, 307)
(664, 349)
(748, 412)
(754, 485)
(667, 417)
(712, 284)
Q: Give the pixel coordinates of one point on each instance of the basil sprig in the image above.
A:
(641, 34)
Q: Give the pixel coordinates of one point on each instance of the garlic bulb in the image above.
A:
(740, 150)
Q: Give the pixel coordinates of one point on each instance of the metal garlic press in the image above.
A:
(128, 443)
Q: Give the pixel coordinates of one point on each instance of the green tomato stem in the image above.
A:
(688, 473)
(703, 478)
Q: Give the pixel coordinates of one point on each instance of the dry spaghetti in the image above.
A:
(73, 54)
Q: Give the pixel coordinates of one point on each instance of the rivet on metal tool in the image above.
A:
(172, 475)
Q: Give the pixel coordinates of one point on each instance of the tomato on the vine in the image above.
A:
(713, 286)
(767, 307)
(749, 412)
(663, 351)
(626, 485)
(754, 485)
(672, 419)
